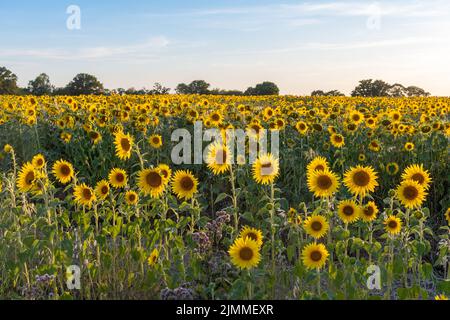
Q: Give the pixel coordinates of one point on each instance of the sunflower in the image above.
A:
(265, 169)
(392, 168)
(245, 253)
(361, 157)
(8, 148)
(153, 258)
(95, 137)
(124, 144)
(219, 158)
(337, 140)
(441, 297)
(409, 146)
(392, 225)
(84, 195)
(131, 197)
(318, 163)
(411, 194)
(102, 189)
(374, 145)
(314, 256)
(184, 184)
(155, 141)
(348, 211)
(26, 178)
(63, 171)
(369, 212)
(151, 182)
(165, 172)
(447, 215)
(252, 233)
(417, 173)
(316, 226)
(301, 127)
(361, 180)
(117, 178)
(38, 161)
(323, 183)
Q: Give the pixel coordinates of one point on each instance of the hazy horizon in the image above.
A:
(301, 46)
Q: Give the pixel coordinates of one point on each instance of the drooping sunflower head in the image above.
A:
(392, 168)
(118, 178)
(219, 158)
(252, 233)
(245, 253)
(184, 184)
(323, 183)
(63, 171)
(155, 141)
(369, 212)
(165, 172)
(265, 169)
(419, 174)
(348, 211)
(124, 145)
(153, 258)
(316, 226)
(151, 182)
(361, 180)
(392, 225)
(84, 195)
(131, 198)
(95, 136)
(317, 164)
(337, 140)
(447, 215)
(38, 161)
(314, 256)
(102, 189)
(411, 194)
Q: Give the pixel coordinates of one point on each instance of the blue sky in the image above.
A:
(300, 45)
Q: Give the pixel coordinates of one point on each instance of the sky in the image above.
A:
(232, 44)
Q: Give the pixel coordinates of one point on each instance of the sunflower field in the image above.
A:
(355, 205)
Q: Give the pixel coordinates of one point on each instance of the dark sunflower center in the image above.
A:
(419, 178)
(125, 143)
(246, 254)
(338, 139)
(319, 167)
(156, 140)
(369, 211)
(153, 179)
(348, 210)
(87, 194)
(186, 183)
(410, 192)
(65, 170)
(104, 190)
(252, 236)
(215, 117)
(221, 157)
(392, 224)
(131, 197)
(120, 177)
(316, 256)
(361, 178)
(29, 178)
(316, 226)
(324, 182)
(302, 126)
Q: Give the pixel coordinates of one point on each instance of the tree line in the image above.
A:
(86, 84)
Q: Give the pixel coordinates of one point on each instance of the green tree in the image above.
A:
(84, 83)
(158, 88)
(263, 89)
(413, 91)
(371, 88)
(332, 93)
(195, 87)
(41, 85)
(8, 82)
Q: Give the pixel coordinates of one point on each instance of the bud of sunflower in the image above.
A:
(269, 206)
(418, 214)
(302, 206)
(391, 193)
(8, 148)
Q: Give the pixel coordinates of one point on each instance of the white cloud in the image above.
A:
(147, 48)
